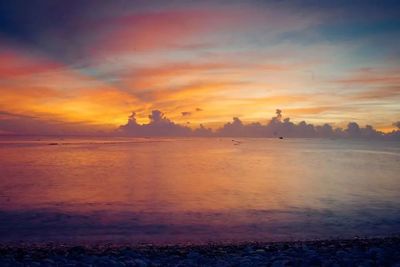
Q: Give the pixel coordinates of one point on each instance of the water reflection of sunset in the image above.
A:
(205, 183)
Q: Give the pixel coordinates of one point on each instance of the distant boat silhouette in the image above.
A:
(235, 142)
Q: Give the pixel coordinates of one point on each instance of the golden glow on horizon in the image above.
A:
(185, 66)
(31, 89)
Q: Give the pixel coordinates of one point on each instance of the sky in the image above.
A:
(85, 66)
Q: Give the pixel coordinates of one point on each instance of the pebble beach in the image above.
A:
(350, 252)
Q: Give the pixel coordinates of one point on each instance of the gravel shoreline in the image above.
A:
(350, 252)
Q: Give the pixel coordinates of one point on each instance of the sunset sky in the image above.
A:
(88, 64)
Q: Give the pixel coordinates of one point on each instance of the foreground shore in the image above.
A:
(354, 252)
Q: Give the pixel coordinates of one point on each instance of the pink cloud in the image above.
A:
(189, 28)
(368, 76)
(13, 64)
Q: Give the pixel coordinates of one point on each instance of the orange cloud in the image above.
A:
(247, 83)
(32, 86)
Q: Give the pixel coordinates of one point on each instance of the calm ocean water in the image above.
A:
(197, 190)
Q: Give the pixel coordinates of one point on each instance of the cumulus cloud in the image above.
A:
(159, 125)
(278, 126)
(353, 130)
(203, 131)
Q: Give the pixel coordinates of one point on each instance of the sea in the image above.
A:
(196, 190)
